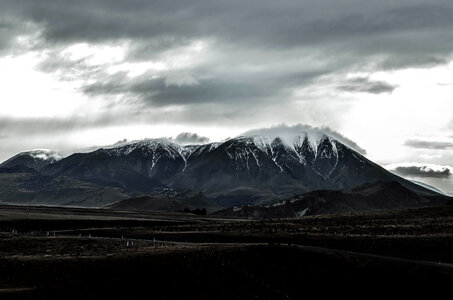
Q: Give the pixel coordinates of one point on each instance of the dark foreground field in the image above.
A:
(87, 253)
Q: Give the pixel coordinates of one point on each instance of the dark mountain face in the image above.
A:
(22, 185)
(368, 197)
(104, 167)
(255, 169)
(243, 170)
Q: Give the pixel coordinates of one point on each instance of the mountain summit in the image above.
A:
(244, 170)
(34, 159)
(251, 169)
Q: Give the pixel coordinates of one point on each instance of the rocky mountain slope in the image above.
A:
(243, 170)
(368, 197)
(22, 185)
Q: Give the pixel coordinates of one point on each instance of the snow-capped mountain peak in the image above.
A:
(47, 155)
(34, 159)
(146, 145)
(295, 142)
(245, 169)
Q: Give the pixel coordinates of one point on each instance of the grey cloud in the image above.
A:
(10, 28)
(365, 85)
(296, 21)
(10, 128)
(422, 171)
(66, 22)
(421, 60)
(348, 142)
(6, 34)
(403, 28)
(28, 126)
(256, 88)
(66, 69)
(185, 138)
(258, 53)
(428, 144)
(287, 45)
(298, 128)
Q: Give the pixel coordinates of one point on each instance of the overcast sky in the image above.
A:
(92, 72)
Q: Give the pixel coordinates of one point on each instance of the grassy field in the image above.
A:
(89, 253)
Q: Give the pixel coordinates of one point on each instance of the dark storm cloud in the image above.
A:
(259, 52)
(412, 29)
(185, 138)
(366, 85)
(288, 22)
(429, 144)
(422, 171)
(223, 90)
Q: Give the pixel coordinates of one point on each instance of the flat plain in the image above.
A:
(73, 253)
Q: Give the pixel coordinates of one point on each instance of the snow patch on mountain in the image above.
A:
(302, 212)
(173, 150)
(147, 146)
(284, 150)
(283, 130)
(292, 145)
(295, 142)
(290, 139)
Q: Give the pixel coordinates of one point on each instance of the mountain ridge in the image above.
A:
(380, 195)
(243, 170)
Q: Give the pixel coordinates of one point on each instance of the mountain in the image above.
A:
(368, 197)
(129, 168)
(23, 185)
(258, 168)
(244, 170)
(34, 159)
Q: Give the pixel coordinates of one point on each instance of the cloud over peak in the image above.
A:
(412, 170)
(230, 50)
(186, 138)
